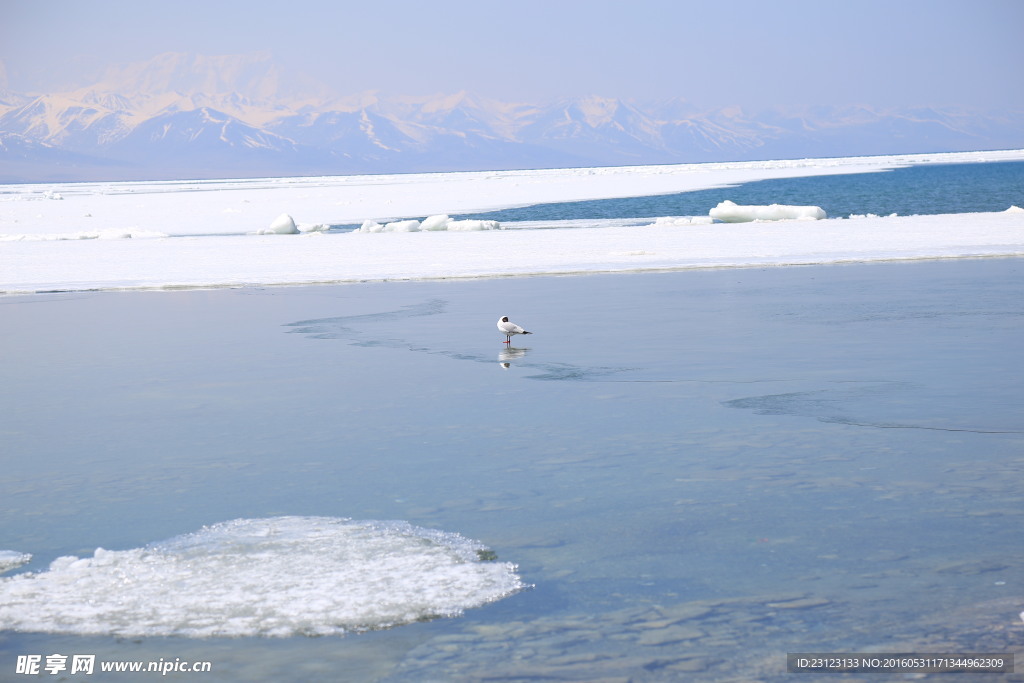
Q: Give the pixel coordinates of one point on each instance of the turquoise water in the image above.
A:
(697, 472)
(924, 189)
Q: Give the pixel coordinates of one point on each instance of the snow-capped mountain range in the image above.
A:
(188, 116)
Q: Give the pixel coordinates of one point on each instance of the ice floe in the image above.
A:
(10, 559)
(286, 225)
(729, 212)
(279, 576)
(438, 222)
(394, 226)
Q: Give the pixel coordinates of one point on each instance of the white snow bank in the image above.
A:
(66, 258)
(221, 207)
(282, 225)
(729, 212)
(1015, 209)
(107, 234)
(10, 559)
(228, 261)
(281, 576)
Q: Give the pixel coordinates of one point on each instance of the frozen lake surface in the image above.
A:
(697, 472)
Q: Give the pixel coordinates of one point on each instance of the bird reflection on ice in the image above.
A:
(366, 330)
(510, 354)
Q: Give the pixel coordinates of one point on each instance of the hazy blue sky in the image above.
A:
(715, 52)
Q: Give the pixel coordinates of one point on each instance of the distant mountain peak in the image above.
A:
(186, 115)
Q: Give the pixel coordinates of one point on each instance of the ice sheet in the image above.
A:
(222, 261)
(273, 577)
(245, 206)
(204, 233)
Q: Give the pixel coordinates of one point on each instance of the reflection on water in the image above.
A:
(509, 354)
(813, 459)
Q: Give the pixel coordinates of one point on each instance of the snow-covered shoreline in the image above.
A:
(212, 226)
(316, 258)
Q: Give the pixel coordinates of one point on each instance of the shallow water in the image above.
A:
(914, 190)
(926, 189)
(698, 472)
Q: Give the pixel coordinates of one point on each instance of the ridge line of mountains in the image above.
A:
(183, 116)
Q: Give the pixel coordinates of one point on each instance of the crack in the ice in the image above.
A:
(882, 425)
(346, 328)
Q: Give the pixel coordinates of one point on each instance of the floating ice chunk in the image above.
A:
(313, 227)
(370, 226)
(684, 220)
(281, 576)
(435, 222)
(402, 226)
(394, 226)
(282, 225)
(430, 224)
(1014, 209)
(474, 225)
(728, 212)
(10, 559)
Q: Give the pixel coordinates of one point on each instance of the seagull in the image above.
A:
(508, 329)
